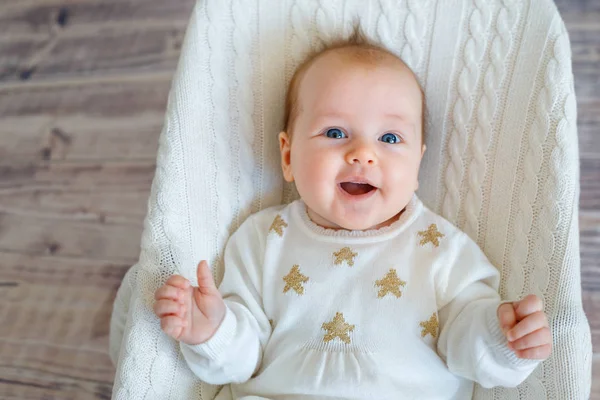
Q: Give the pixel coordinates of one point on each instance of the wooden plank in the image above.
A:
(590, 184)
(591, 306)
(586, 81)
(581, 21)
(584, 31)
(96, 177)
(111, 51)
(583, 6)
(38, 16)
(56, 344)
(107, 202)
(36, 235)
(87, 121)
(92, 231)
(29, 383)
(27, 139)
(589, 236)
(98, 99)
(54, 270)
(588, 126)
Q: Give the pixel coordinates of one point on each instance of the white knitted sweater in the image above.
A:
(501, 162)
(406, 311)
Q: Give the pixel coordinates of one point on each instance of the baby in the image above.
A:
(357, 290)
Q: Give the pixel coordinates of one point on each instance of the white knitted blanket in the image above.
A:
(501, 162)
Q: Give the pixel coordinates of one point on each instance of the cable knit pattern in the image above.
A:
(504, 164)
(415, 33)
(389, 22)
(220, 27)
(250, 153)
(524, 251)
(492, 104)
(475, 133)
(472, 54)
(492, 81)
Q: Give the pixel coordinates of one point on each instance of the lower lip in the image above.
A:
(356, 197)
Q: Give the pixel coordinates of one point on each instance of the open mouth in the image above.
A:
(356, 189)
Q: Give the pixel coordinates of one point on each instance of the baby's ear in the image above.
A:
(285, 147)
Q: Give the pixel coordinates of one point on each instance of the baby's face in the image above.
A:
(356, 146)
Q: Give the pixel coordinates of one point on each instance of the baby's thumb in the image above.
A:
(206, 283)
(507, 316)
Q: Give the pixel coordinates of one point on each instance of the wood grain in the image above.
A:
(31, 17)
(588, 124)
(90, 52)
(591, 305)
(583, 32)
(595, 394)
(590, 184)
(53, 344)
(589, 236)
(85, 121)
(578, 6)
(87, 231)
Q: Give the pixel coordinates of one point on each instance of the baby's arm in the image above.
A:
(234, 353)
(233, 350)
(471, 339)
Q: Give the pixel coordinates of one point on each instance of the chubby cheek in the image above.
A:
(314, 169)
(401, 176)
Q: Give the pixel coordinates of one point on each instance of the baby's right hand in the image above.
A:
(190, 314)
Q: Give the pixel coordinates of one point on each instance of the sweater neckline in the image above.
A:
(411, 212)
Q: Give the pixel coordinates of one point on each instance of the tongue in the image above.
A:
(356, 188)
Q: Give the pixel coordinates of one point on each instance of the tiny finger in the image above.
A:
(506, 316)
(528, 305)
(168, 292)
(529, 324)
(171, 325)
(535, 353)
(166, 307)
(178, 281)
(538, 338)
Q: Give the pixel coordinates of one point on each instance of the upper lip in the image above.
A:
(357, 179)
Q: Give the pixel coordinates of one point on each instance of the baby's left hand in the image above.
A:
(526, 328)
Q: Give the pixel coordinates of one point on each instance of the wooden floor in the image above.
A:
(83, 90)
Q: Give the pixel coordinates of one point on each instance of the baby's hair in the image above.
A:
(359, 48)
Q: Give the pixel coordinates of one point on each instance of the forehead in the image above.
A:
(346, 79)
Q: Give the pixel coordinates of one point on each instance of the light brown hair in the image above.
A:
(359, 48)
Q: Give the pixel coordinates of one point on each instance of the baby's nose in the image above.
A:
(362, 155)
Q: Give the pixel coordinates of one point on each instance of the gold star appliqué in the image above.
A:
(278, 225)
(345, 254)
(337, 328)
(294, 280)
(431, 235)
(390, 284)
(430, 327)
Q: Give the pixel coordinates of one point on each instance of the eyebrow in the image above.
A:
(402, 120)
(334, 114)
(398, 117)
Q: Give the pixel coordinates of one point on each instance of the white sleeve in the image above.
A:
(234, 352)
(471, 340)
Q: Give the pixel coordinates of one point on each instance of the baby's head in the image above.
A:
(354, 137)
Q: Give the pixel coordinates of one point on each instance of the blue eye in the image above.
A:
(391, 138)
(335, 133)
